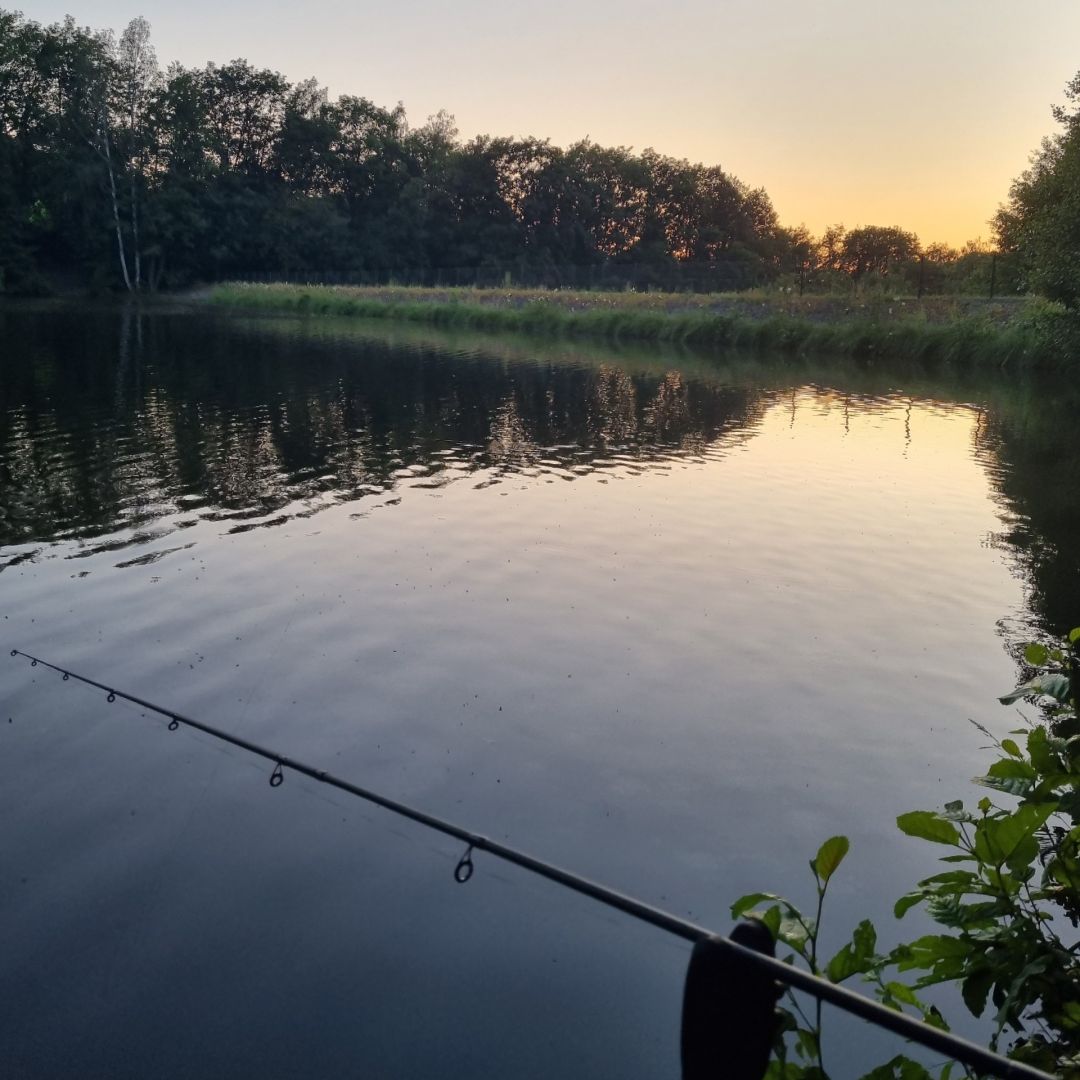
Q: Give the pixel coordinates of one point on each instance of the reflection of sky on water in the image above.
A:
(669, 631)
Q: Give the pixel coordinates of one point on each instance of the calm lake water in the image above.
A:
(668, 621)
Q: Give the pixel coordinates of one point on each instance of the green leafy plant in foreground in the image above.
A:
(1008, 903)
(799, 1053)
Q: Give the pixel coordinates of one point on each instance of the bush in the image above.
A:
(1010, 889)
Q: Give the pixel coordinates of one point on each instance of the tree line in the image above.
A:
(115, 173)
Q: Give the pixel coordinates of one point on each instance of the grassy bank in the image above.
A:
(975, 332)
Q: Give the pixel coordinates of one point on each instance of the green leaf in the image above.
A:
(1035, 654)
(1008, 774)
(963, 878)
(864, 939)
(785, 1021)
(996, 838)
(1057, 686)
(795, 932)
(1023, 855)
(947, 909)
(975, 989)
(782, 1070)
(1074, 635)
(1010, 748)
(941, 946)
(1019, 996)
(932, 951)
(750, 900)
(902, 992)
(830, 855)
(807, 1044)
(933, 1017)
(899, 1068)
(771, 918)
(1009, 767)
(907, 902)
(1070, 804)
(1041, 751)
(1018, 786)
(857, 956)
(1016, 694)
(1051, 684)
(928, 826)
(954, 811)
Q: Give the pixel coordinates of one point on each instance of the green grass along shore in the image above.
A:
(968, 332)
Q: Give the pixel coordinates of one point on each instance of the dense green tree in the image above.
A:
(115, 173)
(604, 198)
(796, 250)
(1041, 220)
(877, 249)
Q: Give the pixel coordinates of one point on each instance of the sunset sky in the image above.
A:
(916, 114)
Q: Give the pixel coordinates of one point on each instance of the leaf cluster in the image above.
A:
(798, 1051)
(1004, 904)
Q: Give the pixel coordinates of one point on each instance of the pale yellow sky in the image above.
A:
(916, 114)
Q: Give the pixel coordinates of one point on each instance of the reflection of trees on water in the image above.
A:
(613, 408)
(621, 415)
(668, 415)
(113, 423)
(36, 490)
(242, 465)
(1027, 440)
(116, 421)
(150, 452)
(510, 443)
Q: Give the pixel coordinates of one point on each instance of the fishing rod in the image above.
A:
(716, 958)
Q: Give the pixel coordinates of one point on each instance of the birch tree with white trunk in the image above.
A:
(137, 77)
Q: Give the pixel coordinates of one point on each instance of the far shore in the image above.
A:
(961, 330)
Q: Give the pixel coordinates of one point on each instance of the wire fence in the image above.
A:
(990, 276)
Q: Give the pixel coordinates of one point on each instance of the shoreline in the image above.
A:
(964, 330)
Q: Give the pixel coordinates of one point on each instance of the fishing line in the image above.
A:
(739, 957)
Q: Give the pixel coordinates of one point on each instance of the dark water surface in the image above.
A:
(664, 620)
